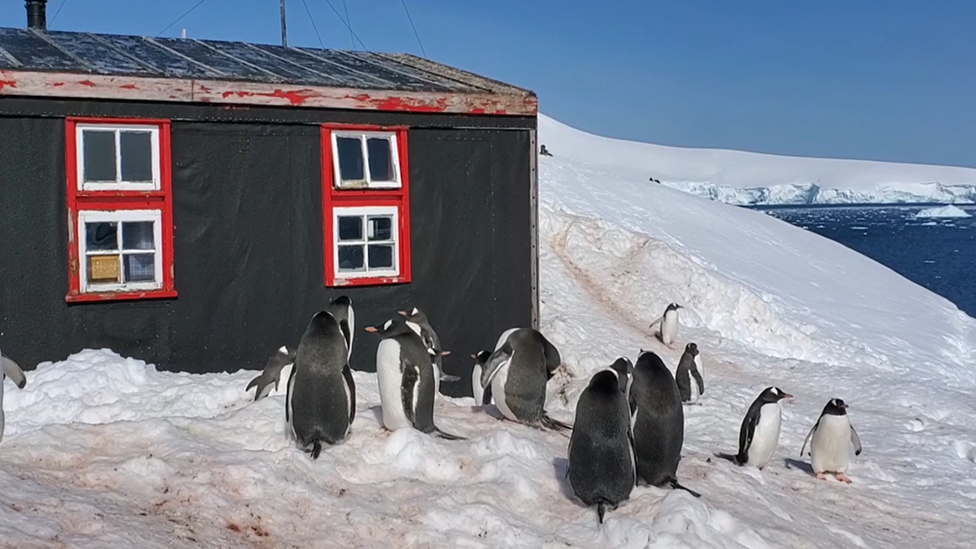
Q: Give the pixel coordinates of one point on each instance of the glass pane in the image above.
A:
(138, 235)
(140, 268)
(381, 228)
(350, 228)
(351, 258)
(350, 159)
(380, 159)
(103, 269)
(101, 236)
(99, 161)
(136, 156)
(380, 256)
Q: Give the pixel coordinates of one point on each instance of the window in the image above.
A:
(120, 210)
(366, 206)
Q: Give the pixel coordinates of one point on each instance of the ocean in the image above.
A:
(937, 253)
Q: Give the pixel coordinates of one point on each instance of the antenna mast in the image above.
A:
(284, 25)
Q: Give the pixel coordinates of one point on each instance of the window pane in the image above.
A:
(103, 269)
(380, 256)
(381, 228)
(350, 228)
(136, 156)
(380, 159)
(140, 268)
(351, 258)
(350, 159)
(99, 162)
(101, 236)
(138, 235)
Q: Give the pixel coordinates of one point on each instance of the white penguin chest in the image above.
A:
(828, 449)
(669, 328)
(476, 389)
(498, 391)
(699, 366)
(390, 380)
(2, 418)
(694, 389)
(766, 436)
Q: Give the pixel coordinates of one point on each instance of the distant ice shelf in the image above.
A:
(813, 194)
(943, 211)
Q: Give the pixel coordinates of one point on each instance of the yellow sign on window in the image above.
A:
(103, 268)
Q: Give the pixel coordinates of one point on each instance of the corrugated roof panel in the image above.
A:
(399, 81)
(341, 75)
(232, 68)
(163, 62)
(408, 71)
(102, 55)
(260, 58)
(34, 52)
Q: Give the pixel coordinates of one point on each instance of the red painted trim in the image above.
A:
(333, 198)
(120, 200)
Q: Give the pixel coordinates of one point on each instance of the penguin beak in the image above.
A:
(445, 353)
(787, 396)
(371, 329)
(403, 313)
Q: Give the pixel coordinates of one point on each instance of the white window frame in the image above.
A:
(118, 184)
(120, 216)
(363, 136)
(365, 211)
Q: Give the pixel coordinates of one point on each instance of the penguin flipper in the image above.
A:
(351, 384)
(856, 441)
(498, 359)
(748, 431)
(486, 396)
(601, 509)
(555, 424)
(810, 434)
(410, 384)
(677, 485)
(13, 370)
(698, 379)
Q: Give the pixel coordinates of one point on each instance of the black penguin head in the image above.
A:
(624, 369)
(604, 382)
(414, 315)
(391, 328)
(481, 357)
(673, 307)
(774, 394)
(342, 301)
(835, 407)
(692, 348)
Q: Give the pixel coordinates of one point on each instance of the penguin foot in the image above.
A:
(843, 478)
(446, 436)
(554, 424)
(821, 476)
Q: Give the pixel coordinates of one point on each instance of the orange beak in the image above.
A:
(371, 329)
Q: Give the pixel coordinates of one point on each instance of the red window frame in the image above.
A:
(350, 198)
(118, 200)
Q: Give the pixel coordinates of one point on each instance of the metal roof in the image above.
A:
(36, 50)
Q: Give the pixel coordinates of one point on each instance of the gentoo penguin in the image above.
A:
(272, 373)
(602, 468)
(405, 374)
(320, 404)
(12, 370)
(518, 370)
(668, 324)
(482, 395)
(659, 422)
(759, 433)
(831, 434)
(419, 322)
(624, 369)
(341, 309)
(689, 379)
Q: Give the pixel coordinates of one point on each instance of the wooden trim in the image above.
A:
(115, 200)
(350, 198)
(534, 225)
(93, 86)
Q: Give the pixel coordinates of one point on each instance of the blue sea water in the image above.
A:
(939, 254)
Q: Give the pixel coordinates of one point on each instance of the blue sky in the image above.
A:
(880, 79)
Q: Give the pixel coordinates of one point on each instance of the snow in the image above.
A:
(747, 178)
(106, 451)
(943, 211)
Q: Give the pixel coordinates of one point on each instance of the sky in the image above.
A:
(873, 79)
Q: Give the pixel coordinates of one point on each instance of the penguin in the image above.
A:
(624, 369)
(602, 466)
(320, 404)
(689, 379)
(16, 374)
(759, 432)
(831, 434)
(273, 372)
(668, 324)
(482, 395)
(422, 326)
(405, 374)
(518, 370)
(658, 421)
(341, 309)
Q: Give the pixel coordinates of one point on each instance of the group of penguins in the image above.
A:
(629, 422)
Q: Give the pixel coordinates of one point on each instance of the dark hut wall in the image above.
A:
(248, 237)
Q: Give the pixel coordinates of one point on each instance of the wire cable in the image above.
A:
(356, 36)
(415, 33)
(187, 12)
(57, 12)
(312, 19)
(349, 23)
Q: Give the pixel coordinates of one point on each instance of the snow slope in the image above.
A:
(942, 212)
(104, 451)
(746, 178)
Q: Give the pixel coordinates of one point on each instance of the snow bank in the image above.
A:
(746, 178)
(944, 211)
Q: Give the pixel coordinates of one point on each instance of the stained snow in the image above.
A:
(942, 211)
(739, 177)
(105, 451)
